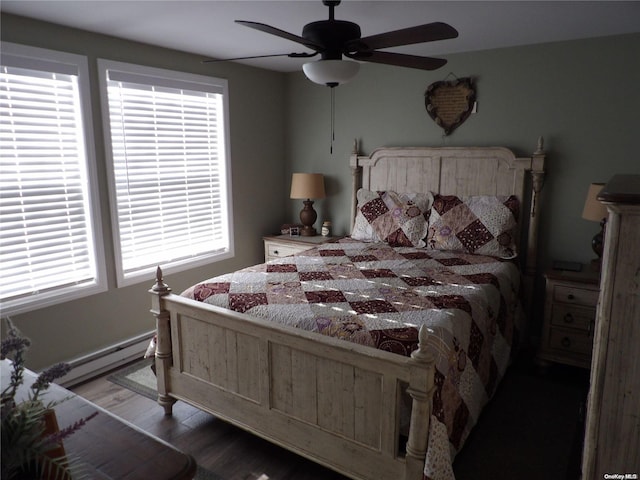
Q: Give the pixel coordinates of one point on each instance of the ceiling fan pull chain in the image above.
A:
(333, 119)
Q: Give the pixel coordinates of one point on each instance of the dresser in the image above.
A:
(612, 435)
(569, 317)
(277, 246)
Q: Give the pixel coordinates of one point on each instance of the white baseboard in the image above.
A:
(103, 360)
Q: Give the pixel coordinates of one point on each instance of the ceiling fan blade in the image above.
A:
(429, 32)
(281, 33)
(399, 59)
(291, 55)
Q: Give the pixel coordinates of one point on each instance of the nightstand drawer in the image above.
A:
(278, 246)
(279, 250)
(570, 316)
(568, 341)
(575, 295)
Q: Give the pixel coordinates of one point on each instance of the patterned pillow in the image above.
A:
(400, 219)
(486, 225)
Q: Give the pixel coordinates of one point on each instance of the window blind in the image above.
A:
(169, 171)
(46, 236)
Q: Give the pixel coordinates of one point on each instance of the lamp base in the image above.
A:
(308, 217)
(597, 244)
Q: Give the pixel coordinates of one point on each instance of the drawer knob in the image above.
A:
(566, 342)
(571, 296)
(276, 252)
(568, 318)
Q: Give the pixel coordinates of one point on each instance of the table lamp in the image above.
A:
(307, 186)
(596, 212)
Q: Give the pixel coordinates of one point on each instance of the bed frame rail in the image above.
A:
(332, 401)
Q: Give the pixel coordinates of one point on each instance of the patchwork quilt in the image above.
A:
(377, 295)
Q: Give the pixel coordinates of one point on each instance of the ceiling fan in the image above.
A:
(332, 39)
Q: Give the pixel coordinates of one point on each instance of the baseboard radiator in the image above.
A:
(101, 361)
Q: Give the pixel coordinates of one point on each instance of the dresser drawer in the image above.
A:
(570, 342)
(571, 316)
(575, 295)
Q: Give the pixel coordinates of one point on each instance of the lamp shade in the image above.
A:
(331, 72)
(593, 209)
(307, 185)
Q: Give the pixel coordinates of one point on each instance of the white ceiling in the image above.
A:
(207, 28)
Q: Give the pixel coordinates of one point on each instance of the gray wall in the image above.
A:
(582, 96)
(78, 327)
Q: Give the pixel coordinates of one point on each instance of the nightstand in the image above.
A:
(278, 246)
(569, 317)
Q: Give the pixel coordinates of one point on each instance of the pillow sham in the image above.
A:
(400, 219)
(482, 224)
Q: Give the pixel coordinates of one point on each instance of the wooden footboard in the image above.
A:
(332, 401)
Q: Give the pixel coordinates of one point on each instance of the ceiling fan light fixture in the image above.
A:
(331, 72)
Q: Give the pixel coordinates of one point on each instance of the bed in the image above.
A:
(284, 349)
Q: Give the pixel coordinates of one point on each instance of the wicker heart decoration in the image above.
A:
(450, 103)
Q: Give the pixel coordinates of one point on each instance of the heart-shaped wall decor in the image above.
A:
(450, 103)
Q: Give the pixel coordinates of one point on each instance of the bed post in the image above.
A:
(163, 341)
(420, 388)
(355, 183)
(537, 182)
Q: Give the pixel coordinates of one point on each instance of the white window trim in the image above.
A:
(173, 78)
(38, 300)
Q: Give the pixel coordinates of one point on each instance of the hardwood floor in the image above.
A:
(217, 446)
(531, 430)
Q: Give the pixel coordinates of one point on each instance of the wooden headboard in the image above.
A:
(460, 171)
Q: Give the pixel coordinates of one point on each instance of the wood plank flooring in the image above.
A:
(225, 450)
(529, 431)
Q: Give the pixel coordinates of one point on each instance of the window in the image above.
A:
(50, 241)
(167, 148)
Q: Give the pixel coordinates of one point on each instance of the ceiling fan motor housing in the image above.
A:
(332, 35)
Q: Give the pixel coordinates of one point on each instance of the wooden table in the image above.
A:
(110, 447)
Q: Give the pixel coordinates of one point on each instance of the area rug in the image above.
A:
(139, 378)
